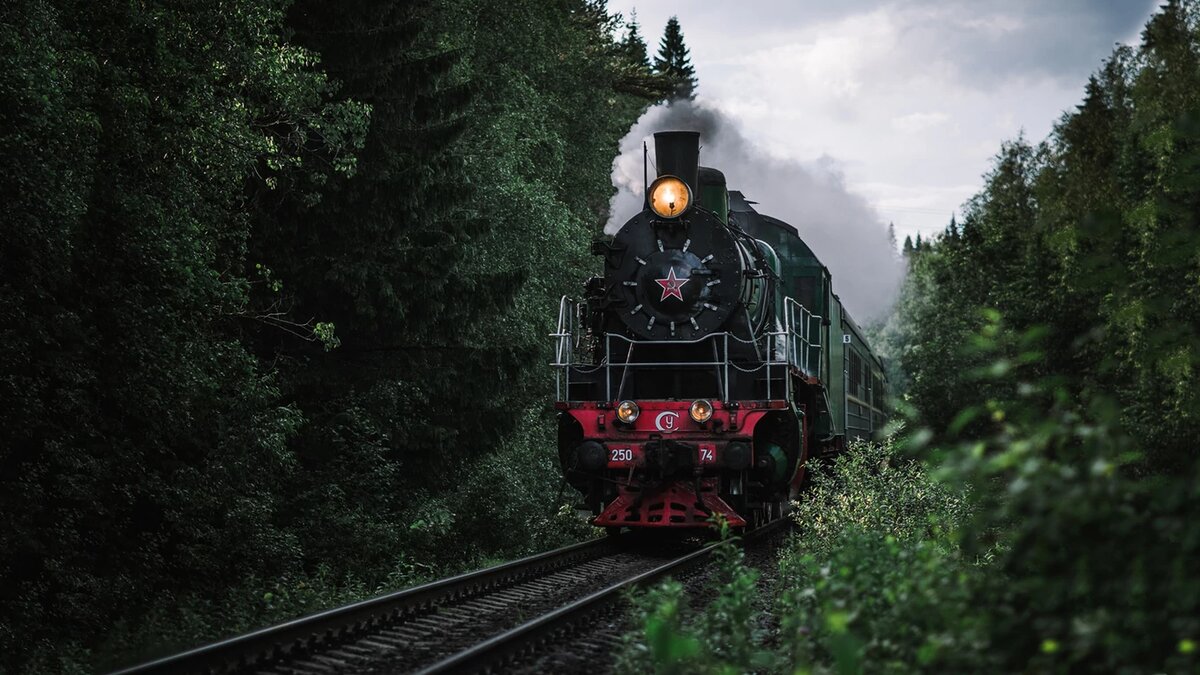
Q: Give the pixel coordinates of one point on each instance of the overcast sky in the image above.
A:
(909, 99)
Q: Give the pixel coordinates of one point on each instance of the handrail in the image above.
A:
(795, 345)
(799, 324)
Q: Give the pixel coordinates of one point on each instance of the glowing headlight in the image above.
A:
(669, 197)
(701, 410)
(628, 412)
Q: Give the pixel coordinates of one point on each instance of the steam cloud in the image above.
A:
(840, 227)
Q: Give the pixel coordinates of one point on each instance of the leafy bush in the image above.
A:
(873, 487)
(1093, 554)
(721, 638)
(874, 579)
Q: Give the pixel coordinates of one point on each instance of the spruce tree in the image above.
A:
(674, 61)
(634, 45)
(631, 68)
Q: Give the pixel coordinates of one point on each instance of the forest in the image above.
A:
(277, 280)
(277, 277)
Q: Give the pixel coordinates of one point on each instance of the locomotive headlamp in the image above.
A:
(628, 412)
(701, 410)
(669, 197)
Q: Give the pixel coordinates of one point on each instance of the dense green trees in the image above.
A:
(1072, 402)
(1092, 237)
(276, 284)
(138, 435)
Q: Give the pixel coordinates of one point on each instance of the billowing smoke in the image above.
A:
(840, 227)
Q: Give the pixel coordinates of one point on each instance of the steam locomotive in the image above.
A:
(709, 364)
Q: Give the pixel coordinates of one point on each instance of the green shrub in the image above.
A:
(873, 487)
(723, 637)
(1094, 550)
(874, 578)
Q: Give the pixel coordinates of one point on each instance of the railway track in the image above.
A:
(473, 622)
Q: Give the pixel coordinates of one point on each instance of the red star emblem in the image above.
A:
(672, 286)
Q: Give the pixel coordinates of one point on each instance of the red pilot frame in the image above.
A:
(665, 469)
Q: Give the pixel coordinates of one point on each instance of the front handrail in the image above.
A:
(796, 345)
(804, 337)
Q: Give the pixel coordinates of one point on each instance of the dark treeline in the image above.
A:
(1049, 345)
(276, 281)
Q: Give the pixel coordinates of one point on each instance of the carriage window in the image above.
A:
(855, 375)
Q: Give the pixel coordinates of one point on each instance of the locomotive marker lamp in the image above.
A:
(628, 412)
(701, 411)
(669, 197)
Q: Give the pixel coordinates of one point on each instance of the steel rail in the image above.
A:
(262, 646)
(495, 652)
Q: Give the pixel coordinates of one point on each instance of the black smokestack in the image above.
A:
(677, 153)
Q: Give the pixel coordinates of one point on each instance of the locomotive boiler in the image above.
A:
(709, 364)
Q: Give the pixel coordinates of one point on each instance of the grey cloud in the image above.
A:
(1063, 39)
(1057, 38)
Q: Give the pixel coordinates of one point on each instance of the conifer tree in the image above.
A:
(634, 45)
(908, 246)
(952, 230)
(633, 72)
(674, 61)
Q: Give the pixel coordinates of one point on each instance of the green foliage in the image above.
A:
(137, 437)
(1092, 554)
(507, 504)
(874, 488)
(874, 580)
(721, 638)
(634, 74)
(1091, 238)
(674, 62)
(665, 646)
(634, 45)
(1072, 408)
(277, 279)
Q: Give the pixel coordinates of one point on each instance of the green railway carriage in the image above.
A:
(853, 375)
